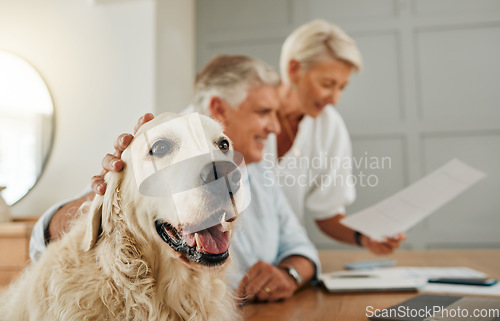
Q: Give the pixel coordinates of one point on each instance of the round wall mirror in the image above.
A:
(26, 126)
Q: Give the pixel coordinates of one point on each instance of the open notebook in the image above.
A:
(392, 278)
(368, 283)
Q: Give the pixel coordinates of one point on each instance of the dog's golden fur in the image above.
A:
(119, 271)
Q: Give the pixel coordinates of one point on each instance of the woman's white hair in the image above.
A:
(316, 41)
(229, 77)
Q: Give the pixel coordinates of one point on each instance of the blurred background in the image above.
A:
(429, 92)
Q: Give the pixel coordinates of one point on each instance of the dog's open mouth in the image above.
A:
(208, 246)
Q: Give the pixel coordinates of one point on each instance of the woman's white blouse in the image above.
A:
(316, 173)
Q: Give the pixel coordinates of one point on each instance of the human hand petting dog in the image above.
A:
(385, 247)
(113, 162)
(266, 282)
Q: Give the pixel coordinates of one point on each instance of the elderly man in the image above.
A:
(273, 255)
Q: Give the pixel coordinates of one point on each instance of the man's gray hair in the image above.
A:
(229, 77)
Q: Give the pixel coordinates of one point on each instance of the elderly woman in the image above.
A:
(316, 62)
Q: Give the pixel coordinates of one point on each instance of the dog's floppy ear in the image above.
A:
(99, 220)
(93, 228)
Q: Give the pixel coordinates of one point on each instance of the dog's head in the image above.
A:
(182, 186)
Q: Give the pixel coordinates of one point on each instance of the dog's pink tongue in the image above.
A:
(213, 240)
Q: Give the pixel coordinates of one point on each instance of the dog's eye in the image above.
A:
(224, 146)
(160, 148)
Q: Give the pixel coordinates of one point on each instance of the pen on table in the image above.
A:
(353, 276)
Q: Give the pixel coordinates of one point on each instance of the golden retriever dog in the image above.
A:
(155, 246)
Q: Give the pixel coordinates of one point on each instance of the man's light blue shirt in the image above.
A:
(268, 230)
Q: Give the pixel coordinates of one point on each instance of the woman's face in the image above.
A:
(320, 85)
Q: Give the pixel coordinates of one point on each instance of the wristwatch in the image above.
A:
(293, 273)
(357, 238)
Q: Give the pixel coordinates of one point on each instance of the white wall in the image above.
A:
(98, 61)
(175, 54)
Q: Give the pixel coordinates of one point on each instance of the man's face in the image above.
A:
(249, 124)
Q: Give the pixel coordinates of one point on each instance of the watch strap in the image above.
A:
(293, 273)
(357, 238)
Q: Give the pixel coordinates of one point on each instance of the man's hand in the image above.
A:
(266, 282)
(385, 247)
(113, 162)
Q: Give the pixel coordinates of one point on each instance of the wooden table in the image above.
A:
(314, 303)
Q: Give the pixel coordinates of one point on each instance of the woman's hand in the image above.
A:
(333, 227)
(385, 247)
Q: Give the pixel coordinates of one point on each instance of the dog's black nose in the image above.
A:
(216, 170)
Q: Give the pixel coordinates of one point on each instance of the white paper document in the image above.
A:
(385, 279)
(369, 284)
(409, 272)
(406, 208)
(404, 278)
